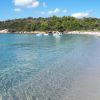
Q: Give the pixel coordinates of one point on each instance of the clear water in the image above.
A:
(49, 68)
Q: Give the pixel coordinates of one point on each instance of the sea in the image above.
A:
(47, 67)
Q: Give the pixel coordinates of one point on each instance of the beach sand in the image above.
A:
(85, 33)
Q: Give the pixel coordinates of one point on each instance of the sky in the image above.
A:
(11, 9)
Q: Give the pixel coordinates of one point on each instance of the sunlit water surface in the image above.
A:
(49, 67)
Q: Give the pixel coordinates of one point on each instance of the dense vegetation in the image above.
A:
(54, 23)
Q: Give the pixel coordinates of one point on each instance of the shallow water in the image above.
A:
(49, 68)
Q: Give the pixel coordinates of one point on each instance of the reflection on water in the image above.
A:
(48, 68)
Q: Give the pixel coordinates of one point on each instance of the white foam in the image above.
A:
(56, 35)
(45, 34)
(38, 34)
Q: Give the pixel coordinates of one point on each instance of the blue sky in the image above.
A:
(10, 9)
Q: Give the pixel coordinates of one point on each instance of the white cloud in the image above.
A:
(80, 15)
(64, 11)
(50, 12)
(44, 4)
(54, 11)
(42, 12)
(26, 3)
(17, 10)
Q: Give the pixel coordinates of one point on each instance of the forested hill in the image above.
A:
(54, 23)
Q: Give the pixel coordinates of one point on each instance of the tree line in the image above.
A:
(54, 23)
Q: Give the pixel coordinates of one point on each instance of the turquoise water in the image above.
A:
(49, 68)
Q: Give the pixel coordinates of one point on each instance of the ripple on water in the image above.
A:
(42, 68)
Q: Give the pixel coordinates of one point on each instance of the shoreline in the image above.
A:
(96, 33)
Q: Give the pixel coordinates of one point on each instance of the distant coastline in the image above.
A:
(53, 24)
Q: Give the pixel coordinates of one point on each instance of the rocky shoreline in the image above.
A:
(96, 33)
